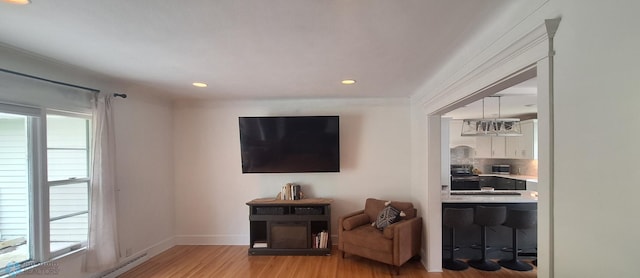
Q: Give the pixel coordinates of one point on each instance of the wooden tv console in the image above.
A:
(279, 227)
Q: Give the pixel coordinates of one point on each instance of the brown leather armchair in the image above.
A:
(394, 245)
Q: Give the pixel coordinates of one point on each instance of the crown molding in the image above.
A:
(515, 51)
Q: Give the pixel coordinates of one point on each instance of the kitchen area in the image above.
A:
(498, 162)
(492, 155)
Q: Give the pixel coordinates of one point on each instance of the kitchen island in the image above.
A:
(468, 239)
(512, 176)
(497, 196)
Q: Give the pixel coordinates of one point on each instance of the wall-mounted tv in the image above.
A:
(290, 144)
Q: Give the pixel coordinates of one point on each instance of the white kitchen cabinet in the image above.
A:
(490, 147)
(525, 146)
(513, 146)
(529, 143)
(498, 145)
(516, 147)
(483, 147)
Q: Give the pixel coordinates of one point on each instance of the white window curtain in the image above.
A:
(102, 245)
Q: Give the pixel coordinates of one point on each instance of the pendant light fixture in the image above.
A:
(491, 127)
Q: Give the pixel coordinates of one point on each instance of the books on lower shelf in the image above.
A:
(321, 240)
(259, 244)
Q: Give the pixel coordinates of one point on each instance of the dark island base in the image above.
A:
(454, 264)
(468, 239)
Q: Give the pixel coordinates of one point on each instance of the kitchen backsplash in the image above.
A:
(464, 155)
(527, 167)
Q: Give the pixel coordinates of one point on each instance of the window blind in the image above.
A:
(28, 91)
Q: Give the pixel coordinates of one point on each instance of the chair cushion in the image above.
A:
(405, 207)
(373, 207)
(386, 217)
(355, 221)
(369, 237)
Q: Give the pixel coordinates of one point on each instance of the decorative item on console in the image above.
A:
(290, 191)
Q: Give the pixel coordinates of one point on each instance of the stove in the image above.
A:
(461, 170)
(462, 177)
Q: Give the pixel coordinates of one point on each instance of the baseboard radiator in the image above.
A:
(123, 267)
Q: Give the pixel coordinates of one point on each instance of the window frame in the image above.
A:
(72, 180)
(39, 185)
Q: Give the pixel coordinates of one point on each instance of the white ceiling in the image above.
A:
(252, 49)
(516, 101)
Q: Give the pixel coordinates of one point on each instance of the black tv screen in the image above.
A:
(290, 144)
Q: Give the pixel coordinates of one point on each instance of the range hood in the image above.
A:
(491, 127)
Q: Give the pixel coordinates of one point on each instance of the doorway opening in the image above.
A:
(478, 169)
(535, 74)
(517, 154)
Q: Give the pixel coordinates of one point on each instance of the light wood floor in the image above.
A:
(233, 261)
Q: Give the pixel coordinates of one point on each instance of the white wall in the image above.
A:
(596, 133)
(597, 120)
(144, 158)
(211, 191)
(418, 170)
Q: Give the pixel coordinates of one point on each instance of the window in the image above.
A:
(44, 184)
(68, 181)
(16, 179)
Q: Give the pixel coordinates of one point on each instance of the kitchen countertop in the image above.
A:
(526, 196)
(515, 177)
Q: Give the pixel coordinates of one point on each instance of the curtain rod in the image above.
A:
(50, 81)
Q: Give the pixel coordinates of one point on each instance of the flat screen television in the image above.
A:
(290, 144)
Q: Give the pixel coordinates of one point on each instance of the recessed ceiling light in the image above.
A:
(18, 2)
(348, 82)
(199, 84)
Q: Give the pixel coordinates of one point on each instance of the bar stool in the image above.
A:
(518, 219)
(487, 217)
(456, 218)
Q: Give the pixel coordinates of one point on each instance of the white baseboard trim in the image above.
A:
(212, 240)
(423, 261)
(222, 240)
(160, 247)
(129, 262)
